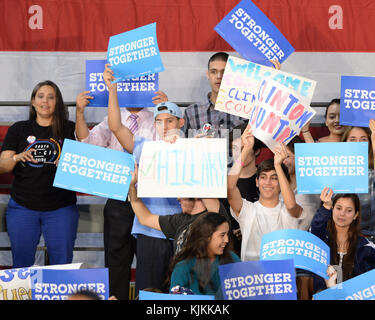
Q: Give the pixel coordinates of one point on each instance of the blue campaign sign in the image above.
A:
(94, 170)
(148, 295)
(53, 284)
(132, 93)
(341, 166)
(361, 287)
(357, 100)
(253, 35)
(307, 251)
(258, 280)
(134, 53)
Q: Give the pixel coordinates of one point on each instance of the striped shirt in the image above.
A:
(198, 115)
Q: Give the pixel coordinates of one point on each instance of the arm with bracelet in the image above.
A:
(234, 195)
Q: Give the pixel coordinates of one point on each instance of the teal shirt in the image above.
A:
(185, 276)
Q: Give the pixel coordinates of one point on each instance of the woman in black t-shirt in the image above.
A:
(31, 151)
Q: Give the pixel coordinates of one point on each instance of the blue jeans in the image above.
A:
(25, 226)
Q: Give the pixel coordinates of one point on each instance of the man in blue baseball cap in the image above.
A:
(168, 120)
(154, 250)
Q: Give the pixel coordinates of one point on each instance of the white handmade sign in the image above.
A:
(194, 168)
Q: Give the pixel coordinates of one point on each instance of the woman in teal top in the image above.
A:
(208, 245)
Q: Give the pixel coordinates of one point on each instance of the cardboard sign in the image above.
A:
(48, 284)
(242, 80)
(307, 250)
(94, 170)
(258, 280)
(189, 168)
(357, 100)
(342, 166)
(253, 35)
(278, 115)
(147, 295)
(361, 287)
(132, 93)
(134, 53)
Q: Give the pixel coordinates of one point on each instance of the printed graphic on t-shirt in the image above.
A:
(46, 151)
(182, 238)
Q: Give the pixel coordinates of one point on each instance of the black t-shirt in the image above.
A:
(176, 226)
(32, 184)
(248, 188)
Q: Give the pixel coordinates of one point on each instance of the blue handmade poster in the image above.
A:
(341, 166)
(51, 284)
(307, 250)
(147, 295)
(134, 53)
(132, 93)
(258, 280)
(94, 170)
(357, 100)
(361, 287)
(253, 35)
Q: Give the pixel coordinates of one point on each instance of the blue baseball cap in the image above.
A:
(167, 107)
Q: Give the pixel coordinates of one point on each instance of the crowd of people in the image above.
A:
(179, 243)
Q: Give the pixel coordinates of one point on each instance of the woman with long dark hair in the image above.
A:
(337, 223)
(207, 246)
(332, 122)
(31, 150)
(364, 134)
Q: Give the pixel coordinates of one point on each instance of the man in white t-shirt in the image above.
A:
(269, 213)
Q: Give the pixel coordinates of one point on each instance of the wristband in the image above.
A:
(240, 162)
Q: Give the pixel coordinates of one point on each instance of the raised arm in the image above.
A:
(306, 133)
(144, 215)
(122, 133)
(211, 204)
(234, 195)
(323, 214)
(294, 209)
(82, 100)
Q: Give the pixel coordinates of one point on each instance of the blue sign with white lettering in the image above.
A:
(53, 284)
(94, 170)
(307, 250)
(258, 280)
(357, 100)
(361, 287)
(341, 166)
(134, 53)
(253, 35)
(132, 93)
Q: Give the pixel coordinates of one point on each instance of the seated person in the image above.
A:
(337, 224)
(196, 266)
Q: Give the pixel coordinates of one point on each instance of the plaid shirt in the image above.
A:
(199, 114)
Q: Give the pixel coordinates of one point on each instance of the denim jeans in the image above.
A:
(25, 226)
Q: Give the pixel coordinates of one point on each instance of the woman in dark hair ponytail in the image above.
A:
(31, 151)
(207, 246)
(337, 223)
